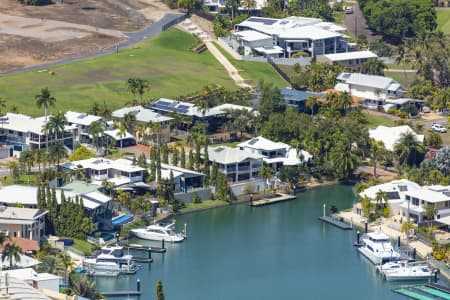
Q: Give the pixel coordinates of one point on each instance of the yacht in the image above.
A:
(376, 246)
(112, 259)
(159, 232)
(404, 270)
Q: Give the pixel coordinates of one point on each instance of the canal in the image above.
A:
(280, 251)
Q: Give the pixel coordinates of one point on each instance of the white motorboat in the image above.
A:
(112, 259)
(159, 232)
(376, 246)
(408, 271)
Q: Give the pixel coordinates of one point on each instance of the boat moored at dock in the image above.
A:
(159, 232)
(376, 246)
(110, 260)
(407, 271)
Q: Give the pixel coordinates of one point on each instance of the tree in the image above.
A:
(409, 150)
(442, 160)
(249, 4)
(82, 152)
(2, 105)
(291, 175)
(12, 252)
(52, 264)
(14, 170)
(183, 158)
(377, 151)
(96, 130)
(45, 99)
(430, 212)
(344, 159)
(374, 66)
(56, 125)
(366, 206)
(159, 290)
(266, 173)
(58, 151)
(435, 176)
(271, 101)
(434, 140)
(83, 286)
(189, 5)
(380, 197)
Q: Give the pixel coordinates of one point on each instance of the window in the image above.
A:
(407, 197)
(415, 201)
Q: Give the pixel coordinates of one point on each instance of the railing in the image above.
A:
(173, 22)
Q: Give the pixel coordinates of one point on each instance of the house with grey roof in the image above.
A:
(288, 36)
(352, 61)
(375, 90)
(82, 122)
(28, 223)
(147, 117)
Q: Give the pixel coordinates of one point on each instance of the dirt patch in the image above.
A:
(205, 25)
(22, 52)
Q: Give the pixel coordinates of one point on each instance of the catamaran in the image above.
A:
(405, 270)
(376, 246)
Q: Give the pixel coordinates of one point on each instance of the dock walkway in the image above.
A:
(279, 197)
(335, 222)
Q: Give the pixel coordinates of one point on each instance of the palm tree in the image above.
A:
(373, 66)
(3, 238)
(132, 85)
(45, 99)
(58, 151)
(311, 103)
(129, 121)
(377, 150)
(104, 111)
(402, 58)
(408, 149)
(266, 173)
(85, 287)
(345, 100)
(121, 134)
(52, 264)
(344, 159)
(12, 252)
(249, 4)
(380, 197)
(96, 130)
(56, 125)
(68, 263)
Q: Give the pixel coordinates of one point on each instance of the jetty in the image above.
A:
(121, 293)
(138, 247)
(271, 199)
(336, 222)
(429, 291)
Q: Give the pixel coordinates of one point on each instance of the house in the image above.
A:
(82, 122)
(214, 6)
(390, 135)
(291, 35)
(28, 223)
(25, 132)
(37, 280)
(118, 172)
(184, 180)
(97, 206)
(147, 117)
(352, 61)
(395, 191)
(20, 290)
(121, 139)
(376, 90)
(297, 99)
(417, 200)
(275, 154)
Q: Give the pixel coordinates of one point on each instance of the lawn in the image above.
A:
(374, 121)
(255, 71)
(24, 179)
(166, 61)
(400, 77)
(203, 205)
(443, 19)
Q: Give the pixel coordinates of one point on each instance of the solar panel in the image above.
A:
(393, 195)
(162, 103)
(181, 106)
(182, 111)
(447, 193)
(262, 20)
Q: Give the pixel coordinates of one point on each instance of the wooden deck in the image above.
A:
(280, 197)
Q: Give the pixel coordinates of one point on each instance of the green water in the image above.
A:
(273, 252)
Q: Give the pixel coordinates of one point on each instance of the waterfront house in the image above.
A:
(390, 135)
(96, 205)
(375, 90)
(28, 223)
(352, 61)
(25, 132)
(275, 154)
(291, 35)
(147, 117)
(395, 191)
(416, 201)
(297, 99)
(37, 280)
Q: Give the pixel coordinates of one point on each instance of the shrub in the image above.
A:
(196, 198)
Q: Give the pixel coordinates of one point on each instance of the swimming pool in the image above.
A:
(106, 236)
(121, 220)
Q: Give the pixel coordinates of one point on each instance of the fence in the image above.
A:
(174, 22)
(277, 68)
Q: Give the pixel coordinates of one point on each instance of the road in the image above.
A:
(131, 39)
(356, 23)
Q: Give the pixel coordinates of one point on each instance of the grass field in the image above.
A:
(443, 19)
(255, 71)
(166, 61)
(400, 77)
(374, 121)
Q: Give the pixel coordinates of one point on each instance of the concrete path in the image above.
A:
(401, 70)
(132, 38)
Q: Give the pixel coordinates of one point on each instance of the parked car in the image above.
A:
(438, 128)
(349, 10)
(426, 109)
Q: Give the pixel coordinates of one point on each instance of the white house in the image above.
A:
(390, 135)
(27, 223)
(37, 280)
(23, 132)
(82, 122)
(352, 61)
(417, 200)
(214, 6)
(147, 116)
(395, 190)
(275, 154)
(290, 35)
(376, 90)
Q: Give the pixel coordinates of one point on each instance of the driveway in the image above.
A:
(356, 23)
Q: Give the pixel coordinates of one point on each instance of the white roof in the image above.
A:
(261, 143)
(28, 274)
(375, 81)
(115, 134)
(98, 163)
(23, 123)
(228, 155)
(251, 35)
(401, 186)
(27, 195)
(390, 135)
(24, 262)
(142, 114)
(444, 220)
(429, 195)
(81, 118)
(350, 55)
(20, 290)
(19, 215)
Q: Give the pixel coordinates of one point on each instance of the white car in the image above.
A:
(349, 10)
(438, 128)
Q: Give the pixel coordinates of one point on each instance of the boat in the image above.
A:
(159, 232)
(376, 246)
(407, 271)
(111, 259)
